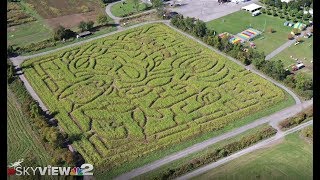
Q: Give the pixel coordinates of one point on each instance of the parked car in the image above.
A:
(170, 15)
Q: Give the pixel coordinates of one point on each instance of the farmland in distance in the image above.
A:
(142, 90)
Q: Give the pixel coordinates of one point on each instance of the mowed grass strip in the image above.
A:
(175, 165)
(302, 51)
(31, 32)
(127, 8)
(290, 158)
(241, 20)
(22, 141)
(147, 89)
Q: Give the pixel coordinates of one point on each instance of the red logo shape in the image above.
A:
(11, 171)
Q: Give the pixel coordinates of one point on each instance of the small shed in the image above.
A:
(83, 34)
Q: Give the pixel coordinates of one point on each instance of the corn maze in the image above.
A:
(144, 89)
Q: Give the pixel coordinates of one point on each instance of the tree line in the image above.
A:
(218, 153)
(301, 83)
(53, 139)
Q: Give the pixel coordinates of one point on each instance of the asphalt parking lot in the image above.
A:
(207, 10)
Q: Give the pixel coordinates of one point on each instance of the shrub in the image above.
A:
(62, 33)
(270, 30)
(102, 19)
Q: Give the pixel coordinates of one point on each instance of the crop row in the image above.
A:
(143, 90)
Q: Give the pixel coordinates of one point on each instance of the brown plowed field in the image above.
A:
(68, 13)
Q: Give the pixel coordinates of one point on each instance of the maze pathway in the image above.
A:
(130, 94)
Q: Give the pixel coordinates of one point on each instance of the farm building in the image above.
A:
(83, 34)
(251, 7)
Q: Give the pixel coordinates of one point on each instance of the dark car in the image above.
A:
(170, 15)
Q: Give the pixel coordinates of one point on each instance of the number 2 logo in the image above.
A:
(86, 169)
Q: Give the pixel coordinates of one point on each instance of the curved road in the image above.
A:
(262, 144)
(108, 11)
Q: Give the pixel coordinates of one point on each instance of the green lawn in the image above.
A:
(291, 159)
(300, 51)
(28, 33)
(22, 141)
(157, 173)
(61, 44)
(241, 20)
(128, 8)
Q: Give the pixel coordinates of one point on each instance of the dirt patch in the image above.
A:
(73, 20)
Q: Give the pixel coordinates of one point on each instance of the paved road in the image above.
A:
(251, 68)
(285, 46)
(278, 116)
(279, 49)
(108, 11)
(243, 152)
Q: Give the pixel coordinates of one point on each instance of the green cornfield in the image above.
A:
(142, 90)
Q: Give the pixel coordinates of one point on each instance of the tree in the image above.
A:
(102, 19)
(10, 50)
(136, 5)
(10, 72)
(303, 82)
(290, 36)
(82, 26)
(270, 30)
(296, 31)
(59, 33)
(200, 28)
(90, 25)
(85, 26)
(157, 3)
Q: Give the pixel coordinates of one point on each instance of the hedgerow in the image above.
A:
(143, 90)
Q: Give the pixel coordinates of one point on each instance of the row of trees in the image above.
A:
(292, 5)
(60, 33)
(218, 153)
(297, 119)
(300, 82)
(53, 139)
(289, 15)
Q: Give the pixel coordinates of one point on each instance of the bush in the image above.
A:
(297, 119)
(270, 30)
(218, 153)
(63, 33)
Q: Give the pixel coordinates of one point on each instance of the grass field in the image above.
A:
(128, 8)
(158, 173)
(237, 22)
(290, 159)
(300, 51)
(142, 90)
(22, 141)
(31, 32)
